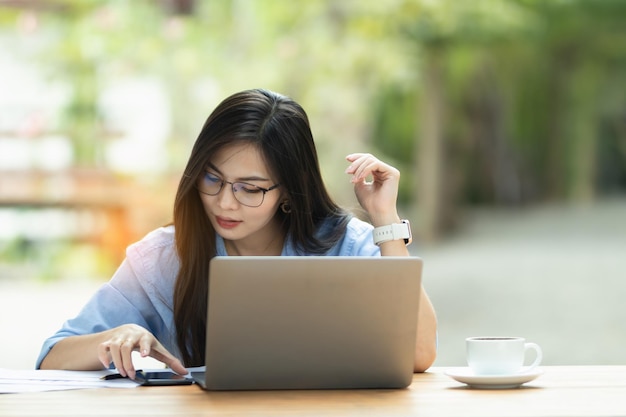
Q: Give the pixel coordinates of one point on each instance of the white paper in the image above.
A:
(17, 381)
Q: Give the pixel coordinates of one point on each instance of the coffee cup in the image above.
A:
(500, 355)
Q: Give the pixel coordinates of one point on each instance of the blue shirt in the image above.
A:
(142, 289)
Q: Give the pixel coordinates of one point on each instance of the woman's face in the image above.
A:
(232, 220)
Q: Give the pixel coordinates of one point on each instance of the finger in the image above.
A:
(367, 165)
(366, 168)
(116, 357)
(145, 345)
(173, 363)
(380, 171)
(357, 167)
(104, 354)
(354, 156)
(126, 351)
(352, 167)
(177, 366)
(161, 354)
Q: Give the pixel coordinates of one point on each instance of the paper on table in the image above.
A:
(16, 381)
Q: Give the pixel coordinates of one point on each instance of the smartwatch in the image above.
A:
(394, 231)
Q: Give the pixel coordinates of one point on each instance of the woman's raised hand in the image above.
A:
(376, 187)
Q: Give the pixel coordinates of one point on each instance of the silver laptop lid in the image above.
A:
(311, 322)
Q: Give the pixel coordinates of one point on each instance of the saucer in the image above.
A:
(467, 376)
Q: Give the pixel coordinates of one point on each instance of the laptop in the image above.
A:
(312, 322)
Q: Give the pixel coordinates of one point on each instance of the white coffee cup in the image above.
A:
(500, 355)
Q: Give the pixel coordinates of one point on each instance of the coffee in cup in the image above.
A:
(500, 355)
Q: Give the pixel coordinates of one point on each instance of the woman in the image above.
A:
(252, 186)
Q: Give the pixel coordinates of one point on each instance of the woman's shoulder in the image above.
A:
(357, 240)
(158, 244)
(353, 224)
(152, 261)
(359, 227)
(156, 239)
(359, 232)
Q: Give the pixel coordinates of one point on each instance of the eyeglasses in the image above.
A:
(247, 194)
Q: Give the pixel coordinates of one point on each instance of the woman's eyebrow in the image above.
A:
(242, 179)
(253, 178)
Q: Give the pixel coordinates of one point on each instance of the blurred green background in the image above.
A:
(507, 119)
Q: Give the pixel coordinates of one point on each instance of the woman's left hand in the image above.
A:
(378, 197)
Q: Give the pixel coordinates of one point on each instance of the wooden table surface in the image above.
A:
(560, 391)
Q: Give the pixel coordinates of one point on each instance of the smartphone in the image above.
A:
(162, 378)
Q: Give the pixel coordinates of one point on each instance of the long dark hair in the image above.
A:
(279, 128)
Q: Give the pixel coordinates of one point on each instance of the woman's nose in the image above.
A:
(226, 197)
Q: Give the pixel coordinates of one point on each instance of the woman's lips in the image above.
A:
(227, 223)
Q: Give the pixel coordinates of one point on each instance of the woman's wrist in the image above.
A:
(384, 219)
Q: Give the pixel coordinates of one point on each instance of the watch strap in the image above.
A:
(395, 231)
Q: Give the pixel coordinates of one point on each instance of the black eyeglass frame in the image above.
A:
(232, 187)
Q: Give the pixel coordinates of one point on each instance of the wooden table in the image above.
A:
(560, 391)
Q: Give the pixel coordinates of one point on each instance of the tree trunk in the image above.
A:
(429, 150)
(582, 140)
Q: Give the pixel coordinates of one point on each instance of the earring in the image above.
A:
(285, 207)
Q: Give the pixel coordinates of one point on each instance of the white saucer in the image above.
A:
(467, 376)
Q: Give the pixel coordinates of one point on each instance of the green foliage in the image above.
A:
(394, 123)
(393, 133)
(348, 60)
(526, 84)
(533, 90)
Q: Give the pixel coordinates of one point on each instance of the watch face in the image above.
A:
(407, 241)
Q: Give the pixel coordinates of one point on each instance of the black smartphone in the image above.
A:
(162, 378)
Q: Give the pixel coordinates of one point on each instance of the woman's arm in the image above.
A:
(76, 353)
(426, 341)
(378, 197)
(99, 350)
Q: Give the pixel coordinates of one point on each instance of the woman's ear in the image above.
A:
(285, 206)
